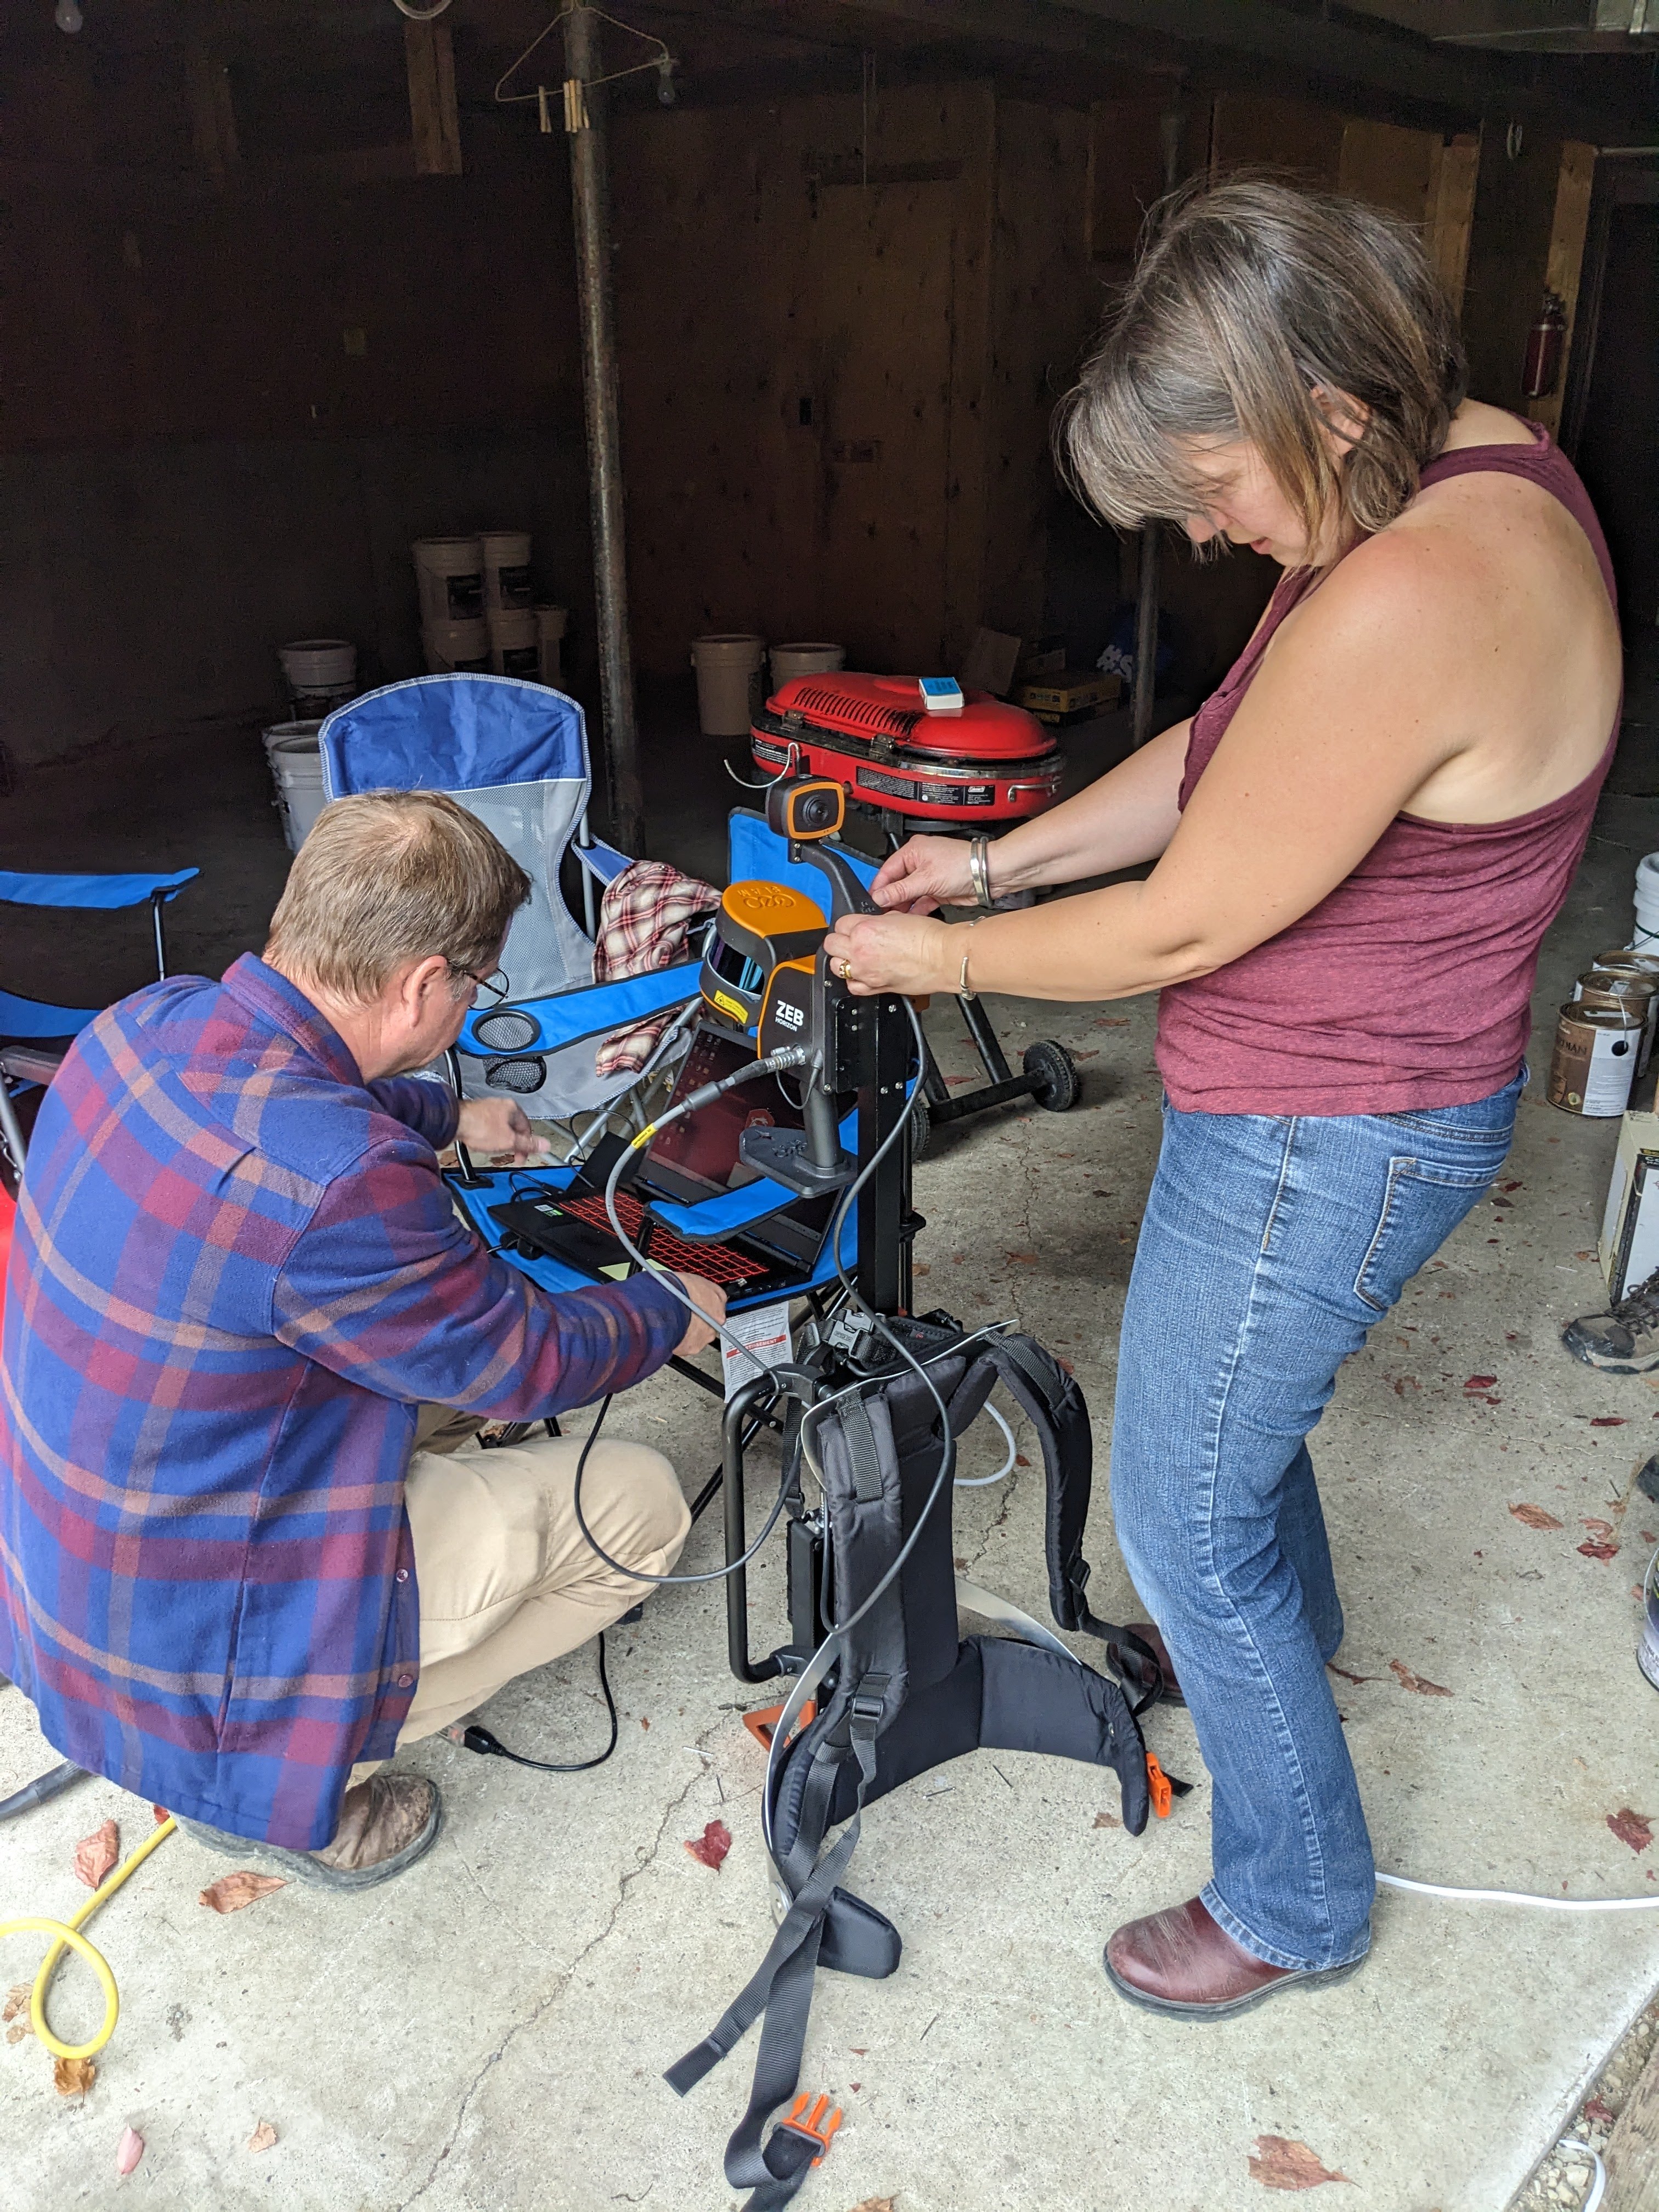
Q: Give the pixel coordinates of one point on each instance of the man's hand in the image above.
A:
(708, 1298)
(924, 873)
(498, 1130)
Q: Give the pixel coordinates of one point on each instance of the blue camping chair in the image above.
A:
(514, 754)
(567, 1021)
(34, 1036)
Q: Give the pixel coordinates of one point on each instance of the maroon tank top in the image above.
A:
(1408, 984)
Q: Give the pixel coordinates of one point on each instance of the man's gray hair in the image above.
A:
(391, 877)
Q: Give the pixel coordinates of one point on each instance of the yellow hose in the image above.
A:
(67, 1935)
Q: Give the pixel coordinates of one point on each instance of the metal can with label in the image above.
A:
(1594, 1063)
(1621, 961)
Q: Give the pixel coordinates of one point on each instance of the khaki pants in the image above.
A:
(507, 1580)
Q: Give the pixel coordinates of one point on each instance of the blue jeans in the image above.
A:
(1270, 1245)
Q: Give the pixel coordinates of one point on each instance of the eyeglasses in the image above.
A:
(496, 986)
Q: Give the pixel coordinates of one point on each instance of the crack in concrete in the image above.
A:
(563, 1980)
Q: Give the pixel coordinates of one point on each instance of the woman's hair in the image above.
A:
(390, 877)
(1246, 297)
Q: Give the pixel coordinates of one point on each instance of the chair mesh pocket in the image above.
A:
(523, 1073)
(509, 1029)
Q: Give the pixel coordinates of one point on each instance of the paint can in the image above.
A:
(1624, 987)
(1622, 960)
(515, 646)
(1594, 1063)
(1647, 1651)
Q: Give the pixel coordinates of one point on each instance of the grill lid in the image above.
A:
(877, 707)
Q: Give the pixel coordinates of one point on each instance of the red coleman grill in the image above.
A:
(989, 762)
(985, 765)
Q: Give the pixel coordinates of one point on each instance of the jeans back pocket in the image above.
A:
(1422, 1202)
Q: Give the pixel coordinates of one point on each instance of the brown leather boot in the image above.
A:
(1184, 1961)
(386, 1823)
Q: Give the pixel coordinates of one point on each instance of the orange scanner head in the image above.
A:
(769, 923)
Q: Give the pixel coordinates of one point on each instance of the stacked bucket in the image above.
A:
(479, 611)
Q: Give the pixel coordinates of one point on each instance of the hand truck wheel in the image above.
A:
(1058, 1088)
(922, 1129)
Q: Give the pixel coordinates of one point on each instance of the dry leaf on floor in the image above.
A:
(1279, 2163)
(1107, 1820)
(710, 1848)
(876, 2204)
(1474, 1383)
(1425, 1688)
(73, 2077)
(1632, 1828)
(1535, 1516)
(1598, 1551)
(16, 2034)
(263, 2136)
(129, 2150)
(94, 1855)
(1333, 1666)
(17, 2001)
(1610, 1420)
(1598, 2109)
(233, 1891)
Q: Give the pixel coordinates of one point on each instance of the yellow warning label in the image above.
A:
(738, 1014)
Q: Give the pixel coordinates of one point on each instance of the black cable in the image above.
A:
(638, 1574)
(476, 1737)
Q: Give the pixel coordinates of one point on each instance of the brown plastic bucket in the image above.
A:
(790, 660)
(729, 668)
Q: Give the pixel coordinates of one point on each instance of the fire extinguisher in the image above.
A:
(1545, 342)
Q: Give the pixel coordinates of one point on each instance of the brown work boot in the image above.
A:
(386, 1823)
(1184, 1961)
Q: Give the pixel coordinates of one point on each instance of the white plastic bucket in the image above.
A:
(515, 643)
(788, 661)
(449, 572)
(297, 766)
(507, 570)
(318, 664)
(458, 647)
(728, 683)
(551, 623)
(1647, 904)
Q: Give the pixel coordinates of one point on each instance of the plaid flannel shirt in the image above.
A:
(647, 915)
(235, 1274)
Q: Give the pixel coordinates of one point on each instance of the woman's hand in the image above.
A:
(903, 952)
(925, 872)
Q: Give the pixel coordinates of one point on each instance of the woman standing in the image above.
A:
(1360, 840)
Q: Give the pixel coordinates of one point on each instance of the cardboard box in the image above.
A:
(1629, 1247)
(1070, 695)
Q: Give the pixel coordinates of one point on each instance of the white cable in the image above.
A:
(984, 1481)
(421, 15)
(1598, 2185)
(1521, 1896)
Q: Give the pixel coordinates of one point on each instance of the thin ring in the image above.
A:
(846, 971)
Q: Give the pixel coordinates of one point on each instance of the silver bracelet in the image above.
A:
(964, 990)
(979, 870)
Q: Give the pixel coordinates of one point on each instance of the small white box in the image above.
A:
(1629, 1248)
(940, 695)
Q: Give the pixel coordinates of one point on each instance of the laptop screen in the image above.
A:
(697, 1157)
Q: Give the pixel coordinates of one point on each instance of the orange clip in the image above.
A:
(762, 1723)
(1158, 1782)
(813, 2123)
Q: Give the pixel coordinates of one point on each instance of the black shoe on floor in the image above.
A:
(1625, 1341)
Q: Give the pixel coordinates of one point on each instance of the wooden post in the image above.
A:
(1633, 2147)
(590, 193)
(1450, 214)
(212, 118)
(1565, 263)
(434, 119)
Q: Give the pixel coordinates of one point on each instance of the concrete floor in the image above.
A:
(490, 2031)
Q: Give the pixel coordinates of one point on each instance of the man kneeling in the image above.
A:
(248, 1540)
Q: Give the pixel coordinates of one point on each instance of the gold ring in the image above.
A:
(846, 971)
